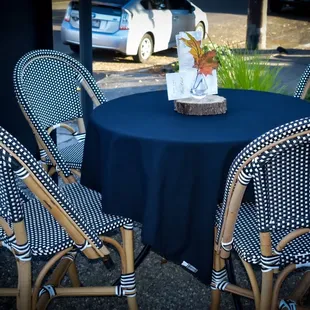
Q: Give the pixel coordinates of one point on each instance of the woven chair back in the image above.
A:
(48, 83)
(278, 163)
(15, 159)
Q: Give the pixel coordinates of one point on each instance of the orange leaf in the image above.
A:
(207, 62)
(194, 46)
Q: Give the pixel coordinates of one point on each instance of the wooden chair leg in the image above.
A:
(127, 233)
(267, 276)
(266, 291)
(278, 283)
(216, 299)
(57, 276)
(254, 284)
(24, 285)
(73, 275)
(302, 288)
(218, 264)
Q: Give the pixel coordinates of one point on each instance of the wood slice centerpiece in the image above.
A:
(209, 105)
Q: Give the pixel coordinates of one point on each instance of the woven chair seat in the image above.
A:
(72, 154)
(246, 240)
(47, 237)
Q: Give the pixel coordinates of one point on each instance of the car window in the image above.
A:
(179, 5)
(154, 4)
(120, 2)
(100, 3)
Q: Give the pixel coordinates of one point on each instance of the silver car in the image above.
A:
(135, 27)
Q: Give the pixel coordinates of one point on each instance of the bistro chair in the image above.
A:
(57, 224)
(48, 85)
(273, 231)
(303, 85)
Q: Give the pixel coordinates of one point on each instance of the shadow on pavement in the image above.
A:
(301, 13)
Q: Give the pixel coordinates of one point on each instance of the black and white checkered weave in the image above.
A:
(302, 82)
(281, 176)
(72, 155)
(45, 235)
(47, 85)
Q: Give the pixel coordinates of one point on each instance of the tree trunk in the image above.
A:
(257, 24)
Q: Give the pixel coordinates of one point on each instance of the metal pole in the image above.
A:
(257, 24)
(86, 52)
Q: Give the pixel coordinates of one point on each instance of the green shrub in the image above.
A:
(245, 70)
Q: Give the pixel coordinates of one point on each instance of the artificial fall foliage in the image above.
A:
(205, 62)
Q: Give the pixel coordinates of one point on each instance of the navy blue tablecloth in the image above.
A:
(168, 170)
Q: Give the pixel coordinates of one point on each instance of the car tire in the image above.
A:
(145, 49)
(200, 27)
(275, 6)
(74, 48)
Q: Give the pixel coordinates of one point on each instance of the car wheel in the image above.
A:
(74, 48)
(145, 49)
(275, 6)
(201, 28)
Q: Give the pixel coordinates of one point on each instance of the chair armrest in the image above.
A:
(63, 125)
(291, 236)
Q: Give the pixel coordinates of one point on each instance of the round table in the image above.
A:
(167, 170)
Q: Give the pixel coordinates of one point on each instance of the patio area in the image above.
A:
(160, 284)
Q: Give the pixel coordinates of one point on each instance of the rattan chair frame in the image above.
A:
(83, 78)
(28, 297)
(303, 84)
(267, 296)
